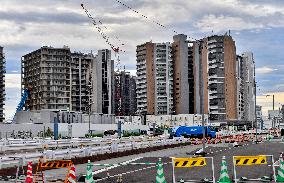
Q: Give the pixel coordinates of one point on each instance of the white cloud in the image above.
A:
(132, 71)
(13, 81)
(225, 23)
(264, 70)
(13, 94)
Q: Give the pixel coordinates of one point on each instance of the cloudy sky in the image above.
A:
(256, 26)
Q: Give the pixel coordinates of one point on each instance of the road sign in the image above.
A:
(249, 160)
(189, 162)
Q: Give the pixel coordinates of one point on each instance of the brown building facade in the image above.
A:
(215, 78)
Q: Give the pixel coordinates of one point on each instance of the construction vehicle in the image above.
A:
(192, 131)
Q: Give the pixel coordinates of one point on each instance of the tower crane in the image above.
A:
(100, 27)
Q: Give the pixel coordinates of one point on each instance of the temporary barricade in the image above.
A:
(42, 166)
(191, 163)
(252, 161)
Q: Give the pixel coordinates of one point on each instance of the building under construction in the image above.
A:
(2, 84)
(80, 95)
(56, 79)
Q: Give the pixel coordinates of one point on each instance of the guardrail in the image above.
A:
(83, 151)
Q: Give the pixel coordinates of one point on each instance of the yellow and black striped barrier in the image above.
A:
(250, 160)
(56, 164)
(189, 162)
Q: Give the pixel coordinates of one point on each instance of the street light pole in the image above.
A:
(90, 105)
(89, 120)
(273, 101)
(255, 110)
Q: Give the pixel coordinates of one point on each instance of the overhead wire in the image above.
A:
(99, 26)
(153, 21)
(117, 49)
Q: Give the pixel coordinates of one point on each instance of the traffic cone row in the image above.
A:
(29, 178)
(160, 176)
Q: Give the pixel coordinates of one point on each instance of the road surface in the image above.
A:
(147, 173)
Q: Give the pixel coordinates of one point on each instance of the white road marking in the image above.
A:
(132, 171)
(111, 167)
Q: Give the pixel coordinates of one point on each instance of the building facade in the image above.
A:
(154, 78)
(80, 96)
(240, 88)
(132, 96)
(101, 77)
(215, 81)
(2, 83)
(57, 79)
(183, 75)
(144, 65)
(125, 95)
(259, 118)
(46, 72)
(248, 84)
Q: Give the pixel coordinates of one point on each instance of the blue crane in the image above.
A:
(22, 102)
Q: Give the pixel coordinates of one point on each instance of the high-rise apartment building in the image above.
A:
(183, 75)
(247, 87)
(46, 72)
(154, 78)
(240, 88)
(2, 84)
(102, 83)
(215, 80)
(80, 96)
(124, 96)
(132, 96)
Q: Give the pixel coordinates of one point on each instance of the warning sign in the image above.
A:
(56, 164)
(249, 160)
(189, 162)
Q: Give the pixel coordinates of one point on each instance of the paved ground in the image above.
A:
(146, 174)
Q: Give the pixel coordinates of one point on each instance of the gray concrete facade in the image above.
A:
(102, 79)
(2, 84)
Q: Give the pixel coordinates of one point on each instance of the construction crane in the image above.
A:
(117, 50)
(22, 102)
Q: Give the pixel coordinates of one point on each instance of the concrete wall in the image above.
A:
(8, 129)
(176, 120)
(64, 117)
(78, 129)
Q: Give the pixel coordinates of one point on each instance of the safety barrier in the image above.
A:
(89, 147)
(102, 148)
(252, 161)
(190, 163)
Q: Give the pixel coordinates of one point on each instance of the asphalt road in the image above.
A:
(147, 173)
